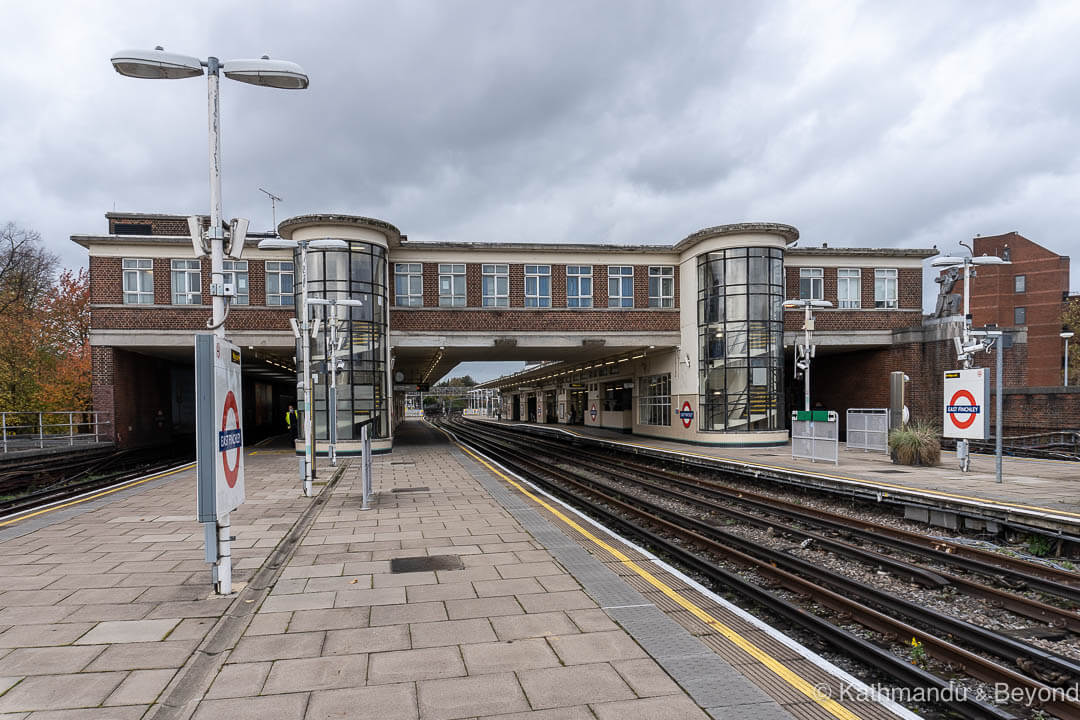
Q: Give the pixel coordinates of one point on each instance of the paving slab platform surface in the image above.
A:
(107, 613)
(1042, 493)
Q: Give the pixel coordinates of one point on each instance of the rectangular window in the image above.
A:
(279, 283)
(138, 281)
(848, 287)
(409, 284)
(186, 282)
(495, 285)
(1020, 283)
(811, 284)
(654, 400)
(661, 286)
(885, 288)
(236, 274)
(451, 285)
(579, 286)
(1020, 316)
(537, 286)
(620, 283)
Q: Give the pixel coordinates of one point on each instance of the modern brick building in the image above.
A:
(683, 340)
(1027, 295)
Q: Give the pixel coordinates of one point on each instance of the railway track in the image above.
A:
(31, 485)
(625, 494)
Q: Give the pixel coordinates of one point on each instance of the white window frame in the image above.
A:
(495, 285)
(579, 286)
(663, 294)
(140, 271)
(414, 284)
(811, 283)
(847, 280)
(535, 294)
(452, 285)
(279, 269)
(236, 274)
(654, 400)
(1019, 283)
(885, 288)
(620, 286)
(1017, 312)
(186, 282)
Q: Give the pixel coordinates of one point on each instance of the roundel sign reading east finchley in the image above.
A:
(686, 414)
(964, 404)
(962, 409)
(230, 439)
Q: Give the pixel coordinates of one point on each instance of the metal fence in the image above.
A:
(815, 435)
(65, 428)
(868, 429)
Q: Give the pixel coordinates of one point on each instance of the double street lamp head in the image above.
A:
(157, 64)
(321, 244)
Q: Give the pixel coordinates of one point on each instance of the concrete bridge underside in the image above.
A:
(428, 356)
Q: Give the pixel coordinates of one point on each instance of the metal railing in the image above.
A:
(868, 429)
(816, 436)
(40, 430)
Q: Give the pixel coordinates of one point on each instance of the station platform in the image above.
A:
(1035, 493)
(463, 593)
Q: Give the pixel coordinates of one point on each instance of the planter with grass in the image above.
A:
(916, 443)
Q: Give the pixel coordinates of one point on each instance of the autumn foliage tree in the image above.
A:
(44, 327)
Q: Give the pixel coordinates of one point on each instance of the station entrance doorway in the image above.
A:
(576, 412)
(532, 409)
(551, 408)
(515, 413)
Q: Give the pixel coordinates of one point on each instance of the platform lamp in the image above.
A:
(967, 345)
(332, 397)
(1067, 334)
(157, 64)
(808, 349)
(308, 466)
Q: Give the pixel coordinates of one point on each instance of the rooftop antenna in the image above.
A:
(274, 200)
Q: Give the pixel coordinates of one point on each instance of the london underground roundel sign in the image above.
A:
(592, 411)
(964, 407)
(230, 439)
(219, 441)
(686, 414)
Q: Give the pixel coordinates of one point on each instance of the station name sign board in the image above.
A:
(219, 431)
(966, 414)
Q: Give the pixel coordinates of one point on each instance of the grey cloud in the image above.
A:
(604, 121)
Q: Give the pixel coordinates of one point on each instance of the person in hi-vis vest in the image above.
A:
(292, 421)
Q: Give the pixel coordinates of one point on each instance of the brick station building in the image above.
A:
(684, 340)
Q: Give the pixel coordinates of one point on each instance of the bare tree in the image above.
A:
(27, 269)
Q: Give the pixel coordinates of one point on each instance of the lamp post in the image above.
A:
(1066, 335)
(332, 400)
(966, 346)
(160, 65)
(808, 351)
(304, 337)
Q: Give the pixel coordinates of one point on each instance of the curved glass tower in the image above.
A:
(741, 335)
(356, 273)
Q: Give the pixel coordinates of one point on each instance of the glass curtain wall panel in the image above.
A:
(356, 273)
(741, 332)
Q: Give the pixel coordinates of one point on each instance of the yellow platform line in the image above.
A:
(110, 491)
(862, 481)
(791, 678)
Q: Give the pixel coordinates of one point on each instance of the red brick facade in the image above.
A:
(539, 320)
(994, 299)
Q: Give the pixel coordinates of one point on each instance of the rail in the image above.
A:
(40, 430)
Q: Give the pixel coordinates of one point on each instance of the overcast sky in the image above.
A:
(875, 124)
